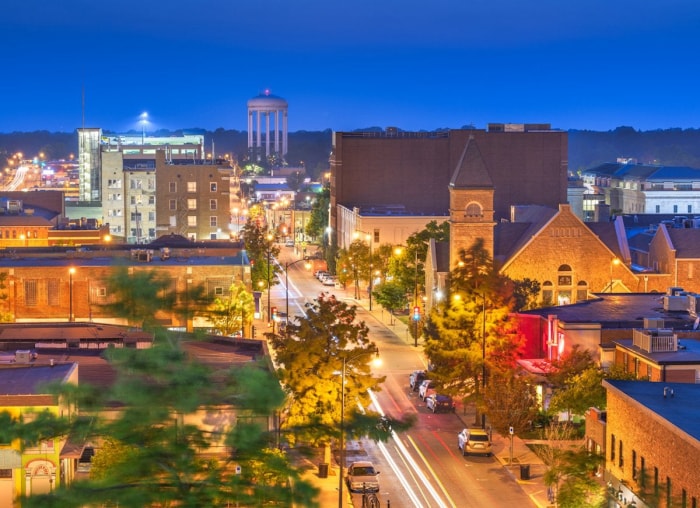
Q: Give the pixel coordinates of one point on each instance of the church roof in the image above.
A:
(471, 171)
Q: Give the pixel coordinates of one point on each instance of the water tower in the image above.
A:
(269, 108)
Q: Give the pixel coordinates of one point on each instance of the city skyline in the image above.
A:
(414, 65)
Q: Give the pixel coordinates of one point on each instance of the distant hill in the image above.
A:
(671, 147)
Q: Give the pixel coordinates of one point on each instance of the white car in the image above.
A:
(426, 388)
(329, 281)
(362, 477)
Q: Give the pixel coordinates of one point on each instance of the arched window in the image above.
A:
(473, 210)
(547, 293)
(582, 291)
(565, 276)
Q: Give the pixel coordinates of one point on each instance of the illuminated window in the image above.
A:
(212, 187)
(30, 293)
(191, 186)
(192, 220)
(191, 204)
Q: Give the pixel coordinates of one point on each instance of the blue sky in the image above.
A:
(577, 64)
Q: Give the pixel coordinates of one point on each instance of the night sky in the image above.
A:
(577, 64)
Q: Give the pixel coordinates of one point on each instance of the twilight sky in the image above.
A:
(577, 64)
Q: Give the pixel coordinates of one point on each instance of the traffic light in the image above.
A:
(274, 313)
(416, 313)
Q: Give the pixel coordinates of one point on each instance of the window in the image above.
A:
(634, 464)
(191, 204)
(669, 495)
(53, 296)
(135, 184)
(191, 186)
(192, 221)
(135, 217)
(621, 460)
(642, 472)
(690, 208)
(213, 221)
(376, 237)
(6, 474)
(30, 293)
(675, 208)
(218, 291)
(172, 204)
(151, 216)
(547, 292)
(151, 200)
(212, 187)
(473, 210)
(612, 447)
(581, 291)
(656, 480)
(172, 187)
(212, 204)
(151, 184)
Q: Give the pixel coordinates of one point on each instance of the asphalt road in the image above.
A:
(421, 467)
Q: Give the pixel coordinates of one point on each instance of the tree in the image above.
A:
(390, 295)
(525, 294)
(295, 180)
(318, 220)
(155, 456)
(509, 401)
(570, 469)
(139, 296)
(311, 357)
(354, 264)
(261, 250)
(234, 313)
(5, 313)
(472, 326)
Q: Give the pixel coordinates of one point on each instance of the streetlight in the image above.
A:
(307, 265)
(71, 271)
(143, 121)
(269, 238)
(613, 263)
(346, 359)
(483, 354)
(368, 238)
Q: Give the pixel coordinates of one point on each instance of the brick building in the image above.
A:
(42, 287)
(411, 172)
(653, 443)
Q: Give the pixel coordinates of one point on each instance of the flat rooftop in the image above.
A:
(688, 352)
(682, 410)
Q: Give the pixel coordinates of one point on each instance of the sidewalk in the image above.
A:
(526, 468)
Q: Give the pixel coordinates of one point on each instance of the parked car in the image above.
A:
(329, 281)
(440, 403)
(362, 476)
(289, 242)
(321, 274)
(415, 378)
(426, 388)
(476, 441)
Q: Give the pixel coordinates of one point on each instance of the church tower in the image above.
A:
(471, 203)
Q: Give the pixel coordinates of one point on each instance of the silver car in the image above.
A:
(362, 477)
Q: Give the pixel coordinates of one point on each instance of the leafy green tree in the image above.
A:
(472, 326)
(525, 293)
(570, 469)
(390, 295)
(141, 295)
(318, 220)
(155, 456)
(233, 313)
(354, 264)
(5, 313)
(311, 358)
(509, 401)
(261, 250)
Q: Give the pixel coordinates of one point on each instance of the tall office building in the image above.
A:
(89, 164)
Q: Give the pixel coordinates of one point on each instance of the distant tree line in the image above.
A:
(672, 147)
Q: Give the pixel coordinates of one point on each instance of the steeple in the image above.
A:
(471, 169)
(471, 203)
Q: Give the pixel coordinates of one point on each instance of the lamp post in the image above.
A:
(483, 354)
(614, 262)
(345, 359)
(71, 271)
(269, 282)
(287, 265)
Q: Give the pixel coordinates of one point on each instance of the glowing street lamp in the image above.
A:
(346, 359)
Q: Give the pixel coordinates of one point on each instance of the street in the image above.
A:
(422, 467)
